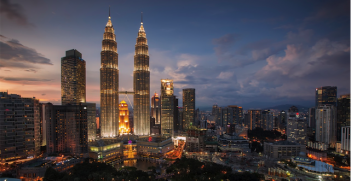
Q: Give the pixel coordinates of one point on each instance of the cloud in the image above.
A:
(330, 11)
(15, 55)
(303, 68)
(225, 75)
(31, 70)
(224, 45)
(25, 80)
(14, 12)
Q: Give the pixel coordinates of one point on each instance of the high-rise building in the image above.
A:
(109, 78)
(176, 121)
(188, 107)
(73, 79)
(326, 95)
(237, 114)
(312, 118)
(180, 118)
(156, 108)
(296, 127)
(254, 118)
(267, 120)
(343, 114)
(141, 85)
(67, 132)
(326, 125)
(226, 114)
(345, 139)
(282, 117)
(19, 127)
(123, 118)
(91, 120)
(167, 106)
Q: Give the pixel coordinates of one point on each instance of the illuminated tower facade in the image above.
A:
(141, 85)
(123, 118)
(109, 83)
(167, 107)
(156, 108)
(73, 80)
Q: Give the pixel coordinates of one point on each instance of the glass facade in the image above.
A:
(188, 107)
(326, 95)
(73, 79)
(141, 85)
(167, 107)
(109, 77)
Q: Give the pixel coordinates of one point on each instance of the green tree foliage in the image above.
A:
(260, 134)
(190, 169)
(96, 171)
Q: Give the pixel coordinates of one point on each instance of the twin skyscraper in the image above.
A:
(109, 84)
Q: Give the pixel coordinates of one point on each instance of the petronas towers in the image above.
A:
(109, 78)
(109, 83)
(141, 85)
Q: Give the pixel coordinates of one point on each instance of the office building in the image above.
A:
(282, 117)
(343, 114)
(267, 120)
(326, 125)
(141, 85)
(124, 127)
(326, 95)
(345, 140)
(283, 149)
(73, 79)
(296, 127)
(195, 140)
(226, 114)
(167, 106)
(91, 120)
(254, 119)
(176, 121)
(67, 133)
(19, 127)
(156, 108)
(109, 79)
(312, 118)
(188, 107)
(237, 114)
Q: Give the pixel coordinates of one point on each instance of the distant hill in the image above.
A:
(287, 106)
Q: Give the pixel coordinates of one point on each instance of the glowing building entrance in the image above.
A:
(124, 126)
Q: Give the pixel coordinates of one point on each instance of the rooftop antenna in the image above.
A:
(109, 11)
(141, 17)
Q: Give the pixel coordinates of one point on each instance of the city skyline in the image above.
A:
(227, 60)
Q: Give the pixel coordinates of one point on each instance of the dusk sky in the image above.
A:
(253, 54)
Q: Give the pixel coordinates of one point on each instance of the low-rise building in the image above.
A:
(106, 150)
(316, 154)
(233, 143)
(283, 149)
(154, 145)
(312, 165)
(35, 169)
(195, 140)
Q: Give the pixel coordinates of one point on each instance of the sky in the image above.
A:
(253, 54)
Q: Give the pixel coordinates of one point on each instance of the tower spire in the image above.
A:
(109, 10)
(141, 17)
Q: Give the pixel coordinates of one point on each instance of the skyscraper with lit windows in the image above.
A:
(188, 107)
(109, 75)
(167, 107)
(73, 79)
(156, 108)
(141, 85)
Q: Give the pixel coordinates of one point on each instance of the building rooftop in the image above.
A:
(284, 142)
